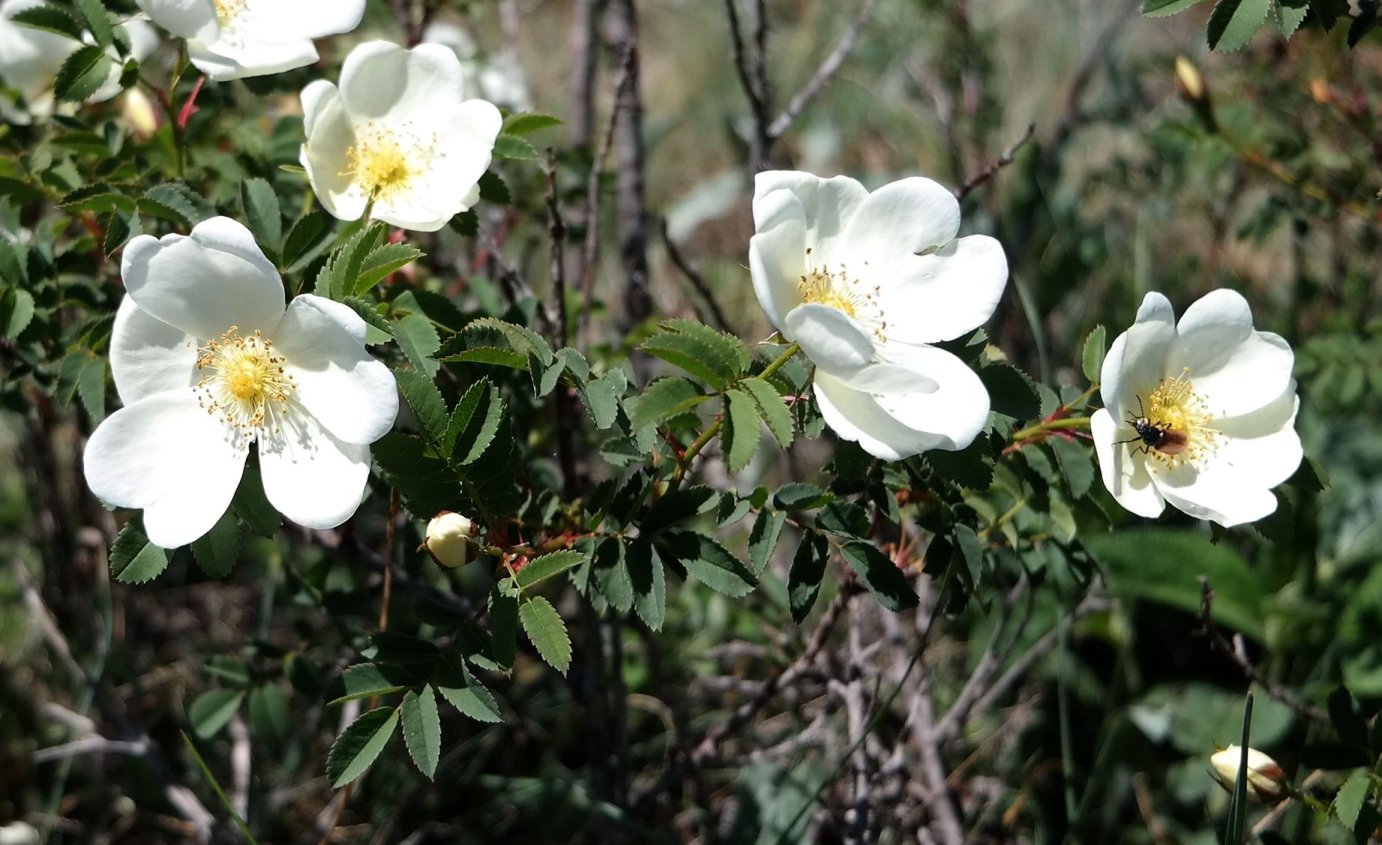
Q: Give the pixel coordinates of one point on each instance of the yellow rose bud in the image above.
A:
(140, 113)
(1188, 79)
(448, 538)
(1266, 780)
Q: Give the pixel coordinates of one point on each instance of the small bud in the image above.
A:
(448, 536)
(140, 113)
(1266, 780)
(1188, 79)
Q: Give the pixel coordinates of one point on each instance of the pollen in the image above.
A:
(227, 10)
(384, 161)
(839, 290)
(244, 383)
(1175, 407)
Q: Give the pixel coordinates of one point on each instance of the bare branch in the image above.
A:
(1237, 652)
(697, 281)
(996, 165)
(823, 74)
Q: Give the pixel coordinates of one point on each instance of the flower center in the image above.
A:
(385, 161)
(837, 289)
(227, 10)
(1178, 420)
(243, 383)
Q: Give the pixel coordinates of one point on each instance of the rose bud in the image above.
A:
(1266, 780)
(448, 538)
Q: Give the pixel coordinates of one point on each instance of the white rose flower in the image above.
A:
(398, 132)
(864, 282)
(233, 39)
(30, 59)
(208, 360)
(1200, 414)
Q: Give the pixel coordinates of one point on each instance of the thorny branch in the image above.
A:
(998, 164)
(1237, 652)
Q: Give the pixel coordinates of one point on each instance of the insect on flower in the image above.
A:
(1155, 435)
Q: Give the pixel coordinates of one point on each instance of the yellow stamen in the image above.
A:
(243, 383)
(384, 162)
(844, 293)
(226, 10)
(1175, 407)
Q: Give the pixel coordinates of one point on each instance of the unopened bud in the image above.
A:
(448, 538)
(1266, 780)
(140, 113)
(1188, 79)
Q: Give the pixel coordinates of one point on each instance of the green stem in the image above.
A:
(1044, 428)
(714, 428)
(220, 793)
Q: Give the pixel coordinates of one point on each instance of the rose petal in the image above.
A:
(942, 295)
(205, 283)
(1234, 368)
(907, 216)
(777, 262)
(380, 80)
(148, 356)
(826, 205)
(313, 478)
(223, 58)
(833, 340)
(326, 153)
(167, 455)
(949, 415)
(350, 393)
(191, 19)
(1136, 361)
(1123, 468)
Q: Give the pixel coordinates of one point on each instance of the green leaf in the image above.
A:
(804, 578)
(262, 211)
(367, 680)
(714, 566)
(539, 569)
(1348, 803)
(741, 429)
(82, 74)
(271, 720)
(51, 19)
(1165, 565)
(514, 147)
(798, 496)
(773, 409)
(547, 632)
(709, 358)
(1162, 8)
(612, 578)
(649, 581)
(1013, 393)
(473, 423)
(14, 261)
(422, 729)
(525, 123)
(763, 537)
(16, 312)
(381, 263)
(1076, 464)
(1238, 806)
(601, 397)
(308, 238)
(99, 198)
(217, 550)
(880, 575)
(212, 710)
(173, 202)
(422, 395)
(665, 397)
(493, 189)
(458, 686)
(503, 617)
(358, 745)
(97, 21)
(418, 340)
(253, 506)
(133, 559)
(677, 507)
(1233, 22)
(1092, 356)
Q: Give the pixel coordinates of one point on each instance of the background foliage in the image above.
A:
(784, 640)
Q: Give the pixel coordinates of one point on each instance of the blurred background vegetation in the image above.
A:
(1266, 181)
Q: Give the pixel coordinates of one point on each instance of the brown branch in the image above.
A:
(823, 74)
(753, 79)
(996, 165)
(180, 797)
(697, 281)
(708, 750)
(1237, 652)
